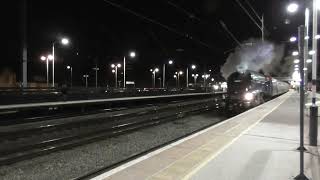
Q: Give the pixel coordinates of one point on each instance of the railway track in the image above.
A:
(23, 141)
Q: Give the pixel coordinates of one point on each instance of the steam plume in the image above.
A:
(254, 55)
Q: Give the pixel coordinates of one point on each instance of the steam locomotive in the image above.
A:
(249, 88)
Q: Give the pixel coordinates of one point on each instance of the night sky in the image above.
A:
(189, 32)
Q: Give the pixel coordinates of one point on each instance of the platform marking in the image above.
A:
(158, 151)
(205, 162)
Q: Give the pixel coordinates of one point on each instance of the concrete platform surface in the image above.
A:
(259, 144)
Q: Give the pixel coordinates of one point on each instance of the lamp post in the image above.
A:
(313, 108)
(178, 77)
(187, 74)
(96, 69)
(313, 133)
(86, 76)
(195, 76)
(205, 77)
(115, 70)
(70, 68)
(154, 71)
(64, 41)
(44, 58)
(170, 62)
(160, 82)
(132, 55)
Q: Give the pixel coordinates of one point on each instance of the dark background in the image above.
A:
(190, 33)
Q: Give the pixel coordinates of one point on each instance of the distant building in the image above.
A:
(7, 78)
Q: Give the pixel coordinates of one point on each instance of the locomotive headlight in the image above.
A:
(248, 96)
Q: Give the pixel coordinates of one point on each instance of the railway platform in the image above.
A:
(259, 144)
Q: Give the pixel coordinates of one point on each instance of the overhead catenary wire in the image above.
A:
(173, 30)
(189, 14)
(223, 25)
(253, 10)
(249, 15)
(229, 32)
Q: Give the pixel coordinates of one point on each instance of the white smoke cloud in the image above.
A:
(254, 55)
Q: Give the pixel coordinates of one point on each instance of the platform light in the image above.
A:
(50, 57)
(317, 36)
(156, 70)
(296, 66)
(113, 71)
(295, 53)
(43, 58)
(292, 8)
(307, 37)
(312, 52)
(305, 69)
(170, 62)
(296, 69)
(296, 76)
(132, 54)
(119, 65)
(193, 66)
(293, 39)
(224, 85)
(309, 60)
(113, 66)
(296, 61)
(65, 41)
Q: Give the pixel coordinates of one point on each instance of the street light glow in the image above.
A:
(292, 8)
(193, 66)
(170, 62)
(296, 61)
(309, 60)
(317, 36)
(295, 53)
(180, 72)
(112, 65)
(119, 65)
(156, 70)
(50, 57)
(296, 69)
(293, 39)
(68, 67)
(65, 41)
(43, 58)
(296, 66)
(132, 54)
(113, 71)
(212, 79)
